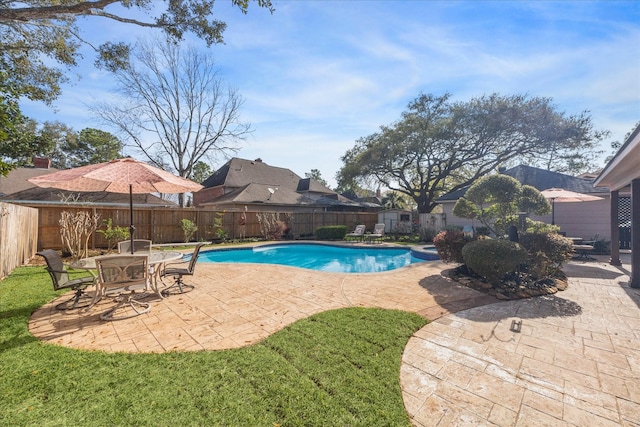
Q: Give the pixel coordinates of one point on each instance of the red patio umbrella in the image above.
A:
(565, 196)
(118, 176)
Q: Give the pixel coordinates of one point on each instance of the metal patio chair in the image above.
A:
(123, 275)
(139, 245)
(179, 272)
(59, 273)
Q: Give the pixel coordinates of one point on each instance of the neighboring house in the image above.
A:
(259, 186)
(15, 188)
(577, 219)
(622, 176)
(17, 179)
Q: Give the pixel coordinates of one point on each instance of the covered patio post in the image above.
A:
(615, 228)
(635, 233)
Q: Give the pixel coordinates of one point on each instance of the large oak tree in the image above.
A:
(39, 39)
(440, 146)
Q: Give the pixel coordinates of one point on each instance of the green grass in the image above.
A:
(337, 368)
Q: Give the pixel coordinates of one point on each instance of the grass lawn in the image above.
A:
(338, 368)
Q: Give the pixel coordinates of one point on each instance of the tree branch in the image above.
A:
(25, 14)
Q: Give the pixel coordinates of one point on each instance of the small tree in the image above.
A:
(271, 226)
(76, 229)
(113, 234)
(495, 200)
(218, 227)
(189, 228)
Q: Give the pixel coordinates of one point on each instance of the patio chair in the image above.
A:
(357, 234)
(378, 233)
(178, 286)
(592, 241)
(139, 245)
(123, 275)
(59, 273)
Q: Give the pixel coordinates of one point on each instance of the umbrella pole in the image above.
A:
(132, 228)
(553, 213)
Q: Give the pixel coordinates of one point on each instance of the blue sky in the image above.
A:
(319, 74)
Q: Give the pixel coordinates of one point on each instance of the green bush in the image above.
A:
(427, 234)
(546, 252)
(449, 244)
(113, 234)
(331, 232)
(530, 225)
(492, 259)
(189, 228)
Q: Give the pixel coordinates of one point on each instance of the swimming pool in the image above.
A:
(338, 259)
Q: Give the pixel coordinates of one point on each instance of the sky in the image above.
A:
(317, 75)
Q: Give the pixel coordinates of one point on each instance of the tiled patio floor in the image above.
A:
(236, 305)
(574, 362)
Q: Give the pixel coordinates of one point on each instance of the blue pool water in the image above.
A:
(320, 257)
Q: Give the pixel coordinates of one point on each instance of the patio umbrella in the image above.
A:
(565, 196)
(118, 176)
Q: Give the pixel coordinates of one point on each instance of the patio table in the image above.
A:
(156, 259)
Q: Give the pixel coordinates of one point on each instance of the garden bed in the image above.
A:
(514, 286)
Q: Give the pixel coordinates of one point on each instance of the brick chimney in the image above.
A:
(41, 163)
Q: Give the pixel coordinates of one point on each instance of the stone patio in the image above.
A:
(569, 359)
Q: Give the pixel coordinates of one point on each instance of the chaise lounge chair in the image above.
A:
(378, 233)
(357, 234)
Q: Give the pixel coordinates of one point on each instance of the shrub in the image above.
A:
(427, 234)
(546, 252)
(272, 227)
(492, 259)
(113, 234)
(189, 228)
(76, 229)
(332, 232)
(218, 226)
(530, 225)
(449, 244)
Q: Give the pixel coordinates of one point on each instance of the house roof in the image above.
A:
(623, 167)
(313, 186)
(238, 172)
(16, 179)
(47, 195)
(262, 193)
(539, 178)
(252, 194)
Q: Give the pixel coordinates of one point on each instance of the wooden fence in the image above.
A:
(18, 236)
(162, 225)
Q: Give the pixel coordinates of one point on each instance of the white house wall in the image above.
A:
(579, 219)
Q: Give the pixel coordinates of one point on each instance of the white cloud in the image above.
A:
(317, 75)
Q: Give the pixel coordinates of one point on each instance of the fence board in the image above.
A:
(18, 236)
(162, 225)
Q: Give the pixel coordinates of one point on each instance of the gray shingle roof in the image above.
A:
(541, 179)
(16, 179)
